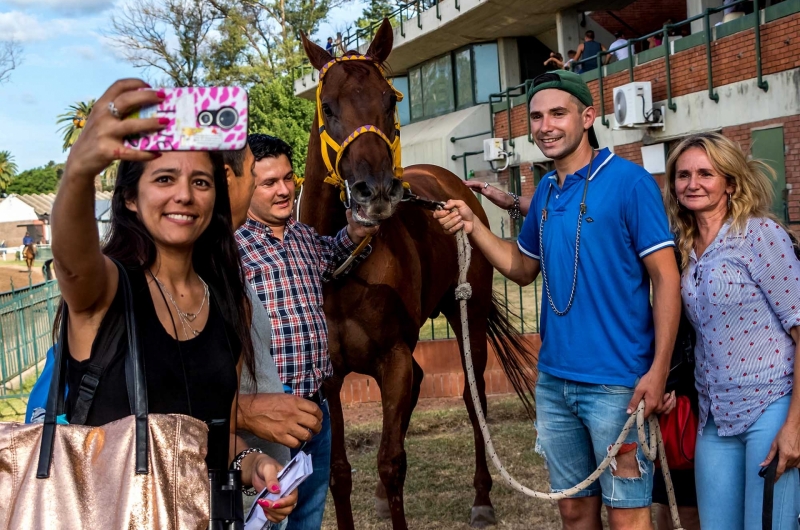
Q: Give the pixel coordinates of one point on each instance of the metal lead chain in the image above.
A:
(577, 245)
(575, 268)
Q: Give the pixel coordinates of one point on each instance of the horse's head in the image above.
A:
(356, 110)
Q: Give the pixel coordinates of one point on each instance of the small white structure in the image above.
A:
(13, 209)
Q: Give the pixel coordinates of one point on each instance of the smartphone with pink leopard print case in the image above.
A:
(201, 119)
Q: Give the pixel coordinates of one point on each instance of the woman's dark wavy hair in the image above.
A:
(215, 255)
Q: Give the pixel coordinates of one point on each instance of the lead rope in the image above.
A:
(651, 448)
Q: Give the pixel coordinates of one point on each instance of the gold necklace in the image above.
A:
(186, 318)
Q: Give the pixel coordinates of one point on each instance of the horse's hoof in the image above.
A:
(482, 516)
(382, 508)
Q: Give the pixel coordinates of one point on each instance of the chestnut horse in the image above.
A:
(29, 254)
(375, 313)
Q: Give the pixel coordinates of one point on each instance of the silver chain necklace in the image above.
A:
(577, 245)
(186, 318)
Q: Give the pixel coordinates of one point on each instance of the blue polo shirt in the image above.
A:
(607, 337)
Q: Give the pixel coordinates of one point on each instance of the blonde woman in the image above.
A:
(740, 286)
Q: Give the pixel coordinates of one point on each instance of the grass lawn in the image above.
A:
(13, 409)
(438, 488)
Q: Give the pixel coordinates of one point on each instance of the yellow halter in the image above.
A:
(334, 177)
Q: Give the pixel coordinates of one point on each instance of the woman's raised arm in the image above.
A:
(86, 278)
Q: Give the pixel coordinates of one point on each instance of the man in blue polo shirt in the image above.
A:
(599, 236)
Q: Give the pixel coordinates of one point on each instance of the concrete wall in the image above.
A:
(441, 362)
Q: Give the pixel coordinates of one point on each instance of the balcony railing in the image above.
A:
(399, 17)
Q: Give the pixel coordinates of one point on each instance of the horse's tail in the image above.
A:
(515, 356)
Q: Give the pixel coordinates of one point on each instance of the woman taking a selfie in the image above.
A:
(171, 231)
(741, 292)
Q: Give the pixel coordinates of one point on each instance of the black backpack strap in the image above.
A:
(136, 384)
(768, 474)
(105, 352)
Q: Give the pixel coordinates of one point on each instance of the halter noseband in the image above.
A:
(334, 177)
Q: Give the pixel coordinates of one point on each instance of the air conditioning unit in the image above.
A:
(493, 150)
(633, 105)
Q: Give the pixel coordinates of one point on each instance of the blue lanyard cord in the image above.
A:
(577, 245)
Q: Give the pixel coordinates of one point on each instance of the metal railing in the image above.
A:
(666, 42)
(600, 58)
(26, 320)
(521, 305)
(399, 16)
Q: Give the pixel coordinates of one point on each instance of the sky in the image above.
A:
(66, 59)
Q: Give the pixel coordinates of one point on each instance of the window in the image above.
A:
(437, 78)
(487, 71)
(457, 80)
(415, 93)
(403, 107)
(464, 97)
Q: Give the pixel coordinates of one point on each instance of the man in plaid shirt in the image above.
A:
(286, 263)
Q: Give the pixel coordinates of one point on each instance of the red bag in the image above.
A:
(679, 432)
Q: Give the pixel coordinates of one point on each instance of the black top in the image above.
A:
(204, 366)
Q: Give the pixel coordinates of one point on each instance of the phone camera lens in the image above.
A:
(205, 118)
(227, 117)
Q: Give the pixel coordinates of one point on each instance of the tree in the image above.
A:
(8, 169)
(10, 58)
(274, 110)
(375, 10)
(38, 180)
(74, 120)
(144, 32)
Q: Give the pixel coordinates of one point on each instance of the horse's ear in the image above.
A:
(318, 56)
(381, 45)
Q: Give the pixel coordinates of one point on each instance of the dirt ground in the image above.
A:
(19, 274)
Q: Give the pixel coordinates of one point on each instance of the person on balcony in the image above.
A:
(602, 225)
(586, 54)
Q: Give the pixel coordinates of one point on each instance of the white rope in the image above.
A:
(651, 448)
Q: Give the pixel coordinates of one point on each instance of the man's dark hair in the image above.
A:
(234, 159)
(619, 34)
(590, 35)
(266, 146)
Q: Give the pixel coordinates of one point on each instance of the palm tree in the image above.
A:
(74, 120)
(8, 169)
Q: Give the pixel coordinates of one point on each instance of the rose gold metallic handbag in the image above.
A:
(145, 471)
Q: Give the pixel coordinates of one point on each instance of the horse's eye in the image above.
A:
(327, 110)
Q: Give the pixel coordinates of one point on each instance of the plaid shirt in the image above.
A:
(287, 276)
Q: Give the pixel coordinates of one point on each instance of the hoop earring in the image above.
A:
(729, 201)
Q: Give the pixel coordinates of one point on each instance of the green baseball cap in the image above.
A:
(569, 82)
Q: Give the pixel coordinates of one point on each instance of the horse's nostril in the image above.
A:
(361, 191)
(397, 190)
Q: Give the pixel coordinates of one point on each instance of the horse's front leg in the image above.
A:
(396, 380)
(341, 481)
(381, 502)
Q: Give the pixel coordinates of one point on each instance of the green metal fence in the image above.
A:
(26, 319)
(521, 305)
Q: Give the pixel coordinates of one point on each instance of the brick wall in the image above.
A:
(645, 16)
(441, 362)
(733, 60)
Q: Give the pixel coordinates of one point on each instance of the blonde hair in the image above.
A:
(752, 195)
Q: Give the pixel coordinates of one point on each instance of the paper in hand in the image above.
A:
(290, 477)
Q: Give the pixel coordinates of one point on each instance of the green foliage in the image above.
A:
(74, 120)
(38, 180)
(8, 169)
(274, 110)
(374, 12)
